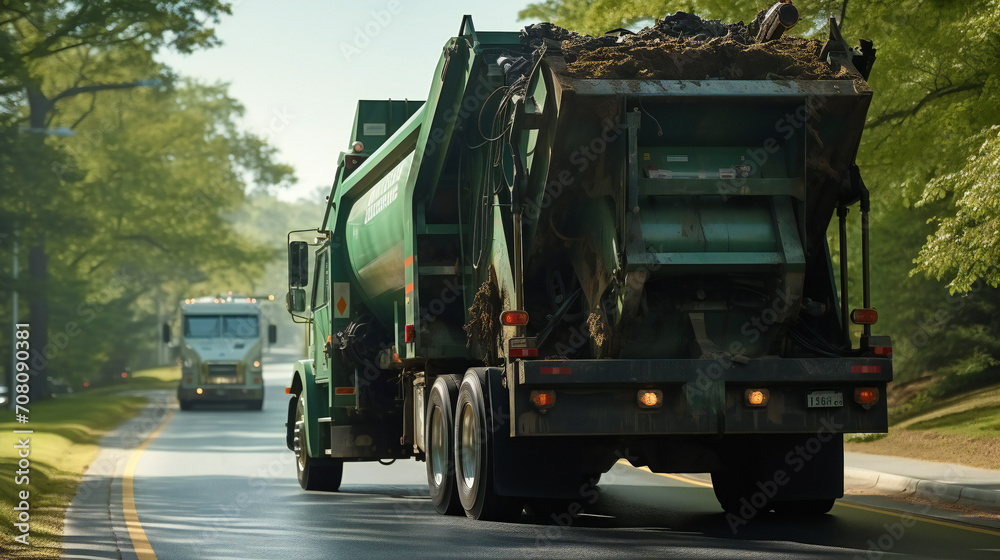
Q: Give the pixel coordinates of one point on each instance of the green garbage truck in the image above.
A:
(582, 250)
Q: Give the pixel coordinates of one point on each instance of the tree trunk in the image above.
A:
(38, 310)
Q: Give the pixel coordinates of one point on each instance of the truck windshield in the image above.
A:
(201, 326)
(239, 326)
(225, 326)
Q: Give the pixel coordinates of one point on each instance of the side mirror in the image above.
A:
(298, 264)
(295, 300)
(166, 332)
(272, 334)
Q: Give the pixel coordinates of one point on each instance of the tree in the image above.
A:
(150, 178)
(133, 206)
(34, 32)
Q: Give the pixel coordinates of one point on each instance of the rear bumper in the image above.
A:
(599, 397)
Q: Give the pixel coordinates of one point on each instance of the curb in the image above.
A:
(930, 490)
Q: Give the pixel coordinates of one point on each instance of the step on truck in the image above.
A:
(220, 350)
(546, 268)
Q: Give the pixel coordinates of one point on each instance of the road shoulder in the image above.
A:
(95, 525)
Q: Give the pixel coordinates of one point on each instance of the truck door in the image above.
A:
(321, 314)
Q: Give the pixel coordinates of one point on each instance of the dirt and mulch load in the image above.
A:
(683, 46)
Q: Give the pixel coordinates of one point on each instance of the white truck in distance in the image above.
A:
(220, 350)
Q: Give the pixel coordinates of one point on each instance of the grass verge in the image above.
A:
(975, 423)
(963, 429)
(67, 431)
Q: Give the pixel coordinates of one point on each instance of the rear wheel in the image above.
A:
(440, 429)
(313, 473)
(474, 474)
(185, 404)
(737, 494)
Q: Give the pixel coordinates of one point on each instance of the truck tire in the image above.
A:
(735, 489)
(185, 404)
(474, 476)
(313, 473)
(290, 422)
(440, 429)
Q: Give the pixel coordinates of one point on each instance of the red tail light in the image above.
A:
(523, 352)
(866, 396)
(514, 318)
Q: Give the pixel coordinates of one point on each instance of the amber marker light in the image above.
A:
(864, 316)
(756, 398)
(543, 400)
(649, 398)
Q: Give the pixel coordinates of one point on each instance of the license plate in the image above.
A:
(825, 399)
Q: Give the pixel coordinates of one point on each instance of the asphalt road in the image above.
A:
(220, 484)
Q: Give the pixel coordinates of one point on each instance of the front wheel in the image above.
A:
(474, 474)
(313, 473)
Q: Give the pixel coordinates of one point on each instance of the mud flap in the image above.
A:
(537, 467)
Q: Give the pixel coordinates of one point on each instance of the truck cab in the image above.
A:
(220, 351)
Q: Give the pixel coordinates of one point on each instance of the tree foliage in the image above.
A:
(133, 208)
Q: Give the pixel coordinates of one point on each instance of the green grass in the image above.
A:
(977, 422)
(863, 438)
(65, 441)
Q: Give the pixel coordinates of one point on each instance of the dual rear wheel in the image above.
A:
(460, 446)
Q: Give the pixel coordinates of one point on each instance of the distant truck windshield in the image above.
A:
(224, 326)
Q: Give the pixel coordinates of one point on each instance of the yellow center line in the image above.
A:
(871, 509)
(140, 544)
(921, 517)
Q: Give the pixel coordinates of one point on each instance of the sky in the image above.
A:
(299, 67)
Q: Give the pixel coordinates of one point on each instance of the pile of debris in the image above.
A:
(683, 46)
